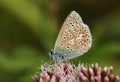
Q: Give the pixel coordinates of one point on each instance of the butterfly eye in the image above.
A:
(51, 53)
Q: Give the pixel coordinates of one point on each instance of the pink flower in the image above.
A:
(67, 72)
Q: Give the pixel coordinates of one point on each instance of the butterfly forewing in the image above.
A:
(74, 38)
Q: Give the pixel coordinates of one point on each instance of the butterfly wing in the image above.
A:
(74, 38)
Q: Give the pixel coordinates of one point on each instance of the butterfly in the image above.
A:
(74, 39)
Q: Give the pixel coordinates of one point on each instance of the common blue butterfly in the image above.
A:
(74, 39)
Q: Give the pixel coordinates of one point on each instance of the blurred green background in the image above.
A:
(28, 30)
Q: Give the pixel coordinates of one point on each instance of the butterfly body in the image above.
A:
(73, 40)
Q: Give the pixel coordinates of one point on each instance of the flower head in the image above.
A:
(67, 72)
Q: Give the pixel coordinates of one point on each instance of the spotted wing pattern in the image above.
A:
(74, 38)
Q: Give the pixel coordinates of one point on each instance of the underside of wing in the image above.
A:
(74, 37)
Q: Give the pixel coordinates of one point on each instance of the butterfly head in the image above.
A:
(56, 56)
